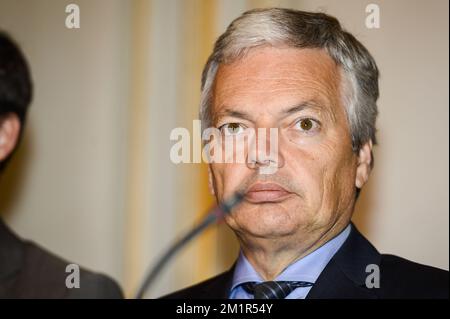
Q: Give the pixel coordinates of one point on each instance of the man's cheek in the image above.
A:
(228, 178)
(312, 183)
(217, 179)
(335, 184)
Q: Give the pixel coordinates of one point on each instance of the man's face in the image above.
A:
(298, 92)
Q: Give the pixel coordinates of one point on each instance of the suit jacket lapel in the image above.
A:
(219, 288)
(345, 275)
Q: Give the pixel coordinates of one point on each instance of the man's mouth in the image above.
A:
(266, 193)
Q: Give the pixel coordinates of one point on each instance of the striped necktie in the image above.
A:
(273, 289)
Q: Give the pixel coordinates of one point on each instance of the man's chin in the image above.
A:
(264, 221)
(252, 234)
(261, 229)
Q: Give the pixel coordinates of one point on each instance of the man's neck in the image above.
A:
(270, 257)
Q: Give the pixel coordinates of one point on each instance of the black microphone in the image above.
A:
(215, 214)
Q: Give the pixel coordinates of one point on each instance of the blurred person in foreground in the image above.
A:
(301, 73)
(27, 270)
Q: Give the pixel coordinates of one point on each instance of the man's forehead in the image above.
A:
(267, 62)
(268, 75)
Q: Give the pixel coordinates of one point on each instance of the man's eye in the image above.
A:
(307, 125)
(231, 129)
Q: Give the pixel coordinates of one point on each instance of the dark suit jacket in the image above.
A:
(28, 271)
(345, 277)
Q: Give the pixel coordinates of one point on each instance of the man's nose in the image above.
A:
(263, 153)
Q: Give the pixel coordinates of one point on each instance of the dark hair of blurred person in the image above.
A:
(15, 96)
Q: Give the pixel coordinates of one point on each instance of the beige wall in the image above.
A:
(93, 181)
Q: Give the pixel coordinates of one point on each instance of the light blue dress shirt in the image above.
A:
(307, 268)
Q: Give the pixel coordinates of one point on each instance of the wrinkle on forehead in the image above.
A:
(268, 73)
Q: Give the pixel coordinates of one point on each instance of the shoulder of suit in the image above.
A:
(208, 289)
(407, 279)
(43, 275)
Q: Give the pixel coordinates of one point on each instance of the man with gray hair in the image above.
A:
(302, 74)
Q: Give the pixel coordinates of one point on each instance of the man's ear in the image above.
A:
(210, 181)
(9, 134)
(364, 164)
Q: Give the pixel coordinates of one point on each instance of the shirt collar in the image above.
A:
(308, 268)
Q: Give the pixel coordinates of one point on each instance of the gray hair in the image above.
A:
(299, 29)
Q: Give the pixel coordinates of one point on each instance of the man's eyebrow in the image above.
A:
(300, 107)
(311, 104)
(232, 113)
(290, 110)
